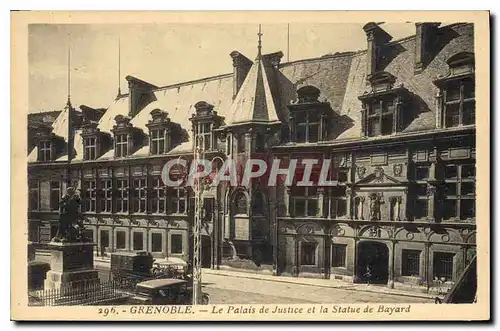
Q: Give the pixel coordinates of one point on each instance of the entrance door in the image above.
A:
(373, 262)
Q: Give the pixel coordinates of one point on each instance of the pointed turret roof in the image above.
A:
(254, 102)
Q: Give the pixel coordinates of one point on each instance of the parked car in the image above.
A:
(165, 292)
(131, 267)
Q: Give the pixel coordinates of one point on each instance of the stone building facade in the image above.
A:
(396, 121)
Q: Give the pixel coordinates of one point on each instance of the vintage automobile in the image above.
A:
(166, 291)
(131, 267)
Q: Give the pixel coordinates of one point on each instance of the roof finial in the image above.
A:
(259, 47)
(119, 68)
(69, 71)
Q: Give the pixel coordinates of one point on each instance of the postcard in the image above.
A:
(250, 166)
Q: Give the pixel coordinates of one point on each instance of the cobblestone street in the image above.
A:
(238, 290)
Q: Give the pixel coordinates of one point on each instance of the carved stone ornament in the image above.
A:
(375, 202)
(379, 173)
(398, 170)
(410, 236)
(361, 172)
(445, 238)
(374, 232)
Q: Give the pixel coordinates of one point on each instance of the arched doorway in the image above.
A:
(374, 256)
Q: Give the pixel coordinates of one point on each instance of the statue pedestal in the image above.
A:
(71, 267)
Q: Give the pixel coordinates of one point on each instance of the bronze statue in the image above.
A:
(69, 216)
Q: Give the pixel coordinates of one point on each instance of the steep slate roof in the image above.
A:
(341, 78)
(254, 101)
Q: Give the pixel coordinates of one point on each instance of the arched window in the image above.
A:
(240, 203)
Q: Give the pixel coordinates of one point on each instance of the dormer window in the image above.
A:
(163, 134)
(90, 145)
(157, 141)
(456, 96)
(121, 145)
(308, 116)
(94, 141)
(382, 112)
(205, 133)
(307, 127)
(126, 137)
(45, 151)
(205, 121)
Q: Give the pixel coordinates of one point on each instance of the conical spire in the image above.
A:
(254, 102)
(259, 46)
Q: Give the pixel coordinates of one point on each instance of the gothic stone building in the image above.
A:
(397, 121)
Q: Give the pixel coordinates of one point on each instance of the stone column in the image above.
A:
(431, 193)
(321, 193)
(361, 208)
(329, 211)
(355, 259)
(427, 267)
(286, 200)
(397, 208)
(390, 283)
(348, 202)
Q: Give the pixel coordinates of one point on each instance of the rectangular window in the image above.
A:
(138, 241)
(205, 132)
(104, 239)
(338, 255)
(157, 141)
(156, 242)
(158, 198)
(305, 201)
(140, 190)
(106, 197)
(380, 117)
(34, 195)
(176, 244)
(308, 253)
(421, 201)
(443, 265)
(90, 152)
(122, 198)
(90, 196)
(459, 191)
(411, 262)
(422, 172)
(45, 151)
(178, 200)
(121, 145)
(55, 194)
(459, 102)
(120, 240)
(307, 127)
(339, 204)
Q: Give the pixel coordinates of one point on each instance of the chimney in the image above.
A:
(241, 67)
(140, 94)
(376, 38)
(424, 36)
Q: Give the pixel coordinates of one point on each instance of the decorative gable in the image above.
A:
(377, 178)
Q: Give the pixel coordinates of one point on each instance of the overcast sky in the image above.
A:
(164, 54)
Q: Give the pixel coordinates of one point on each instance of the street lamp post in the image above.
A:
(197, 294)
